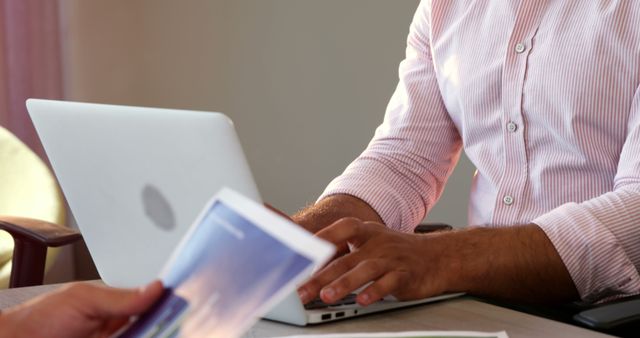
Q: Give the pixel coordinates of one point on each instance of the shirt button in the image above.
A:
(508, 200)
(512, 127)
(520, 48)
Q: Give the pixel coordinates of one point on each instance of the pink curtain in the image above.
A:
(30, 62)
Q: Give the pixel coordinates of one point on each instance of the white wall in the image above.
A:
(306, 81)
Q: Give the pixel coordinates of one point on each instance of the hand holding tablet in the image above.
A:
(237, 260)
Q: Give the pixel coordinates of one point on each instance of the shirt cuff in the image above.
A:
(596, 261)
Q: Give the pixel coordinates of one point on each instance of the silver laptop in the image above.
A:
(135, 179)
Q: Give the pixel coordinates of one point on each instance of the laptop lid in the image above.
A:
(135, 178)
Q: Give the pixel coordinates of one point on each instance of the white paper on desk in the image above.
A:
(236, 261)
(411, 334)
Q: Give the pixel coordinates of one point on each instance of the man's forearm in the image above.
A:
(514, 263)
(332, 208)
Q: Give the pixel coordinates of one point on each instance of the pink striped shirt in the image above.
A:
(544, 98)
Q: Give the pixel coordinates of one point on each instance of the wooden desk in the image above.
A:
(456, 314)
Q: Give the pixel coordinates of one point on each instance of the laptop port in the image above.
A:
(340, 314)
(326, 316)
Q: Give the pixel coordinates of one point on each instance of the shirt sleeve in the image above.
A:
(599, 239)
(402, 172)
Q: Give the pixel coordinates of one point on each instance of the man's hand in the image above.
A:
(79, 310)
(402, 265)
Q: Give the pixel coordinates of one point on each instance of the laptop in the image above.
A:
(135, 178)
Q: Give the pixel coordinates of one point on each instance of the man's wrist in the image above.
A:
(452, 265)
(471, 257)
(506, 262)
(332, 208)
(475, 259)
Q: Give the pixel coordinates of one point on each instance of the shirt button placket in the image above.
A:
(512, 127)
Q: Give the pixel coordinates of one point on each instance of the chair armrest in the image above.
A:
(431, 227)
(32, 238)
(612, 315)
(33, 230)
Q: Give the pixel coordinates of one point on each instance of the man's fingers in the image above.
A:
(106, 302)
(360, 275)
(311, 289)
(345, 230)
(384, 286)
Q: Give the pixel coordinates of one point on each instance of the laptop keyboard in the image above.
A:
(350, 299)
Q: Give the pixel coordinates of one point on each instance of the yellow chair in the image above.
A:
(31, 210)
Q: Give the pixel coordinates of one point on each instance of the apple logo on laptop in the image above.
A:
(157, 208)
